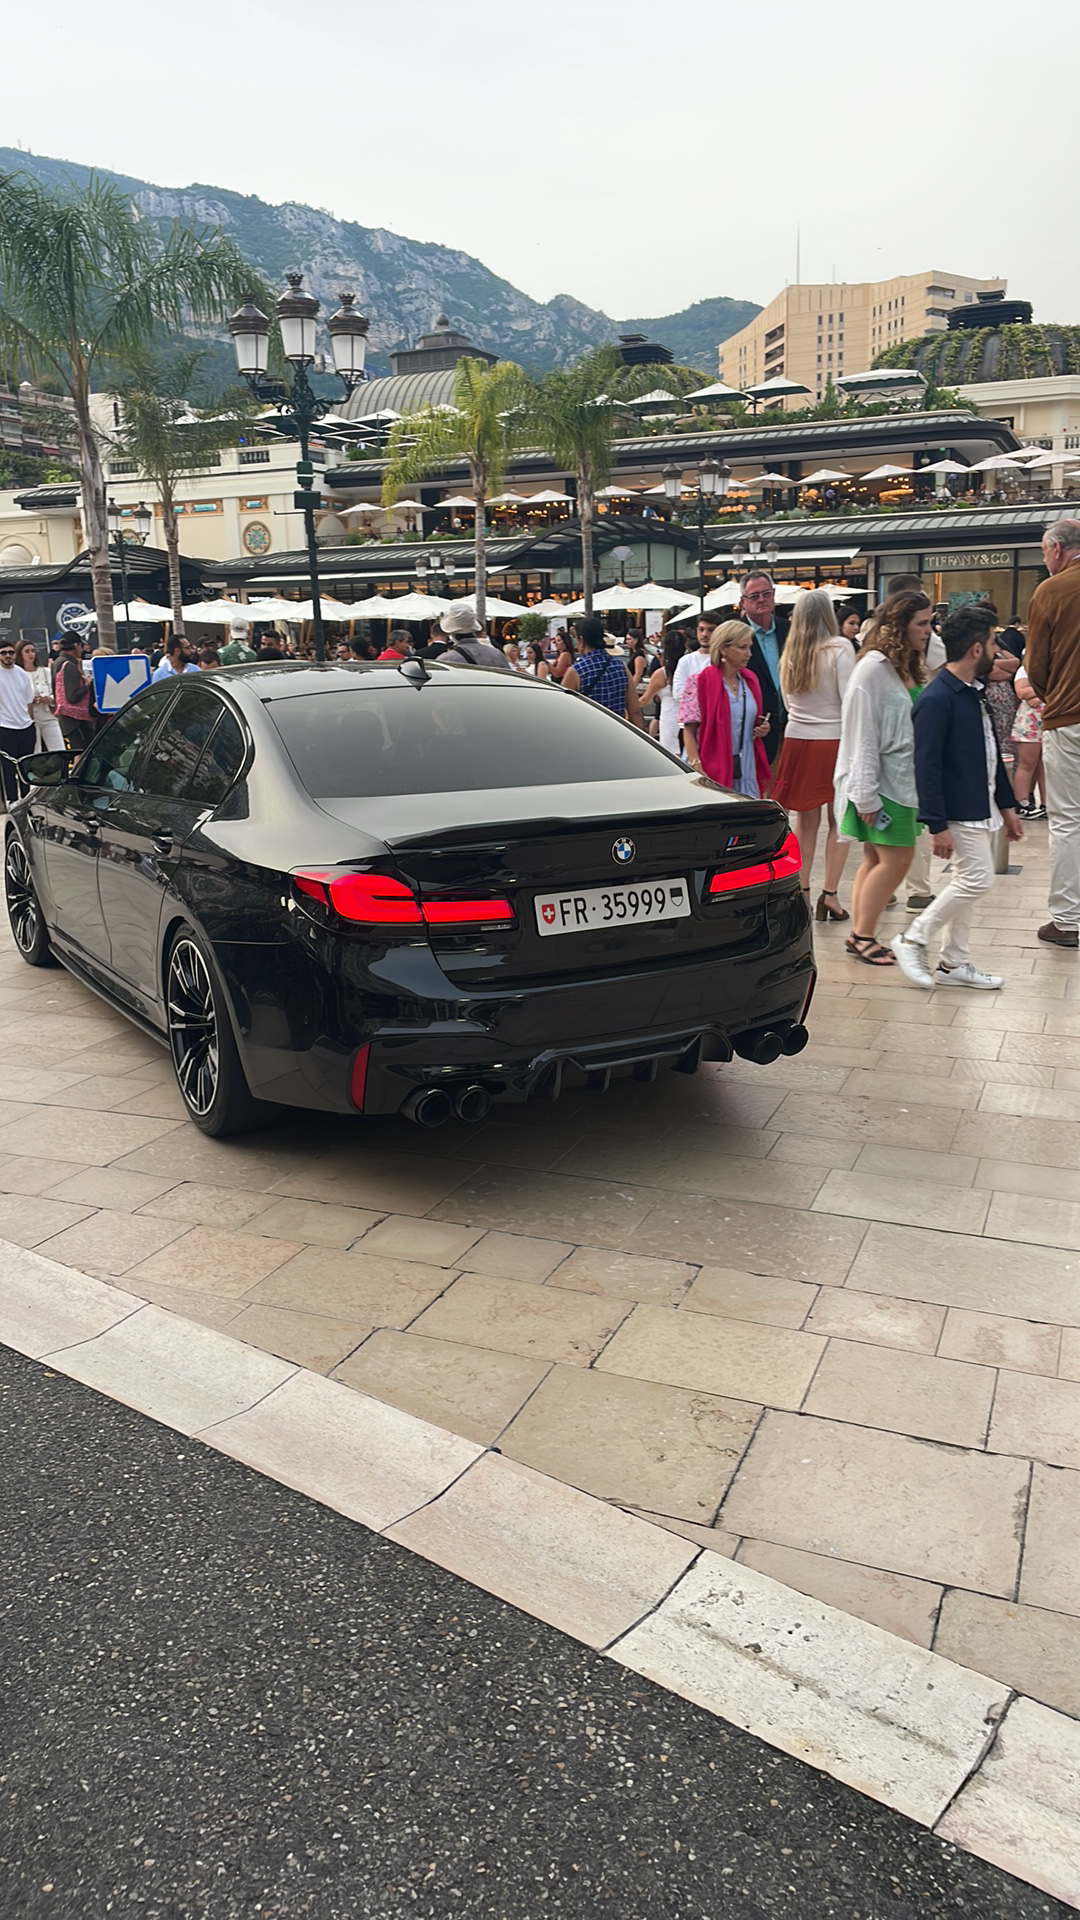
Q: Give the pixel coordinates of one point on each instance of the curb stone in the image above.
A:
(989, 1771)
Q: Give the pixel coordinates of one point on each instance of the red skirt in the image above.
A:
(804, 774)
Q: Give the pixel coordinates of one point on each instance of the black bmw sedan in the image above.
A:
(382, 889)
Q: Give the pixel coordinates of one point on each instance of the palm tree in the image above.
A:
(574, 415)
(157, 430)
(476, 429)
(83, 281)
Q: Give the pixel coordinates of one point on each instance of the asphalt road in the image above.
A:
(218, 1700)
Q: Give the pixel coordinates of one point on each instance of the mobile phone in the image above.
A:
(882, 821)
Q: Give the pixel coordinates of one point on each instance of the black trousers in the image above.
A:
(15, 741)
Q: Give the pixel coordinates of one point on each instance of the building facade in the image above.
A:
(812, 332)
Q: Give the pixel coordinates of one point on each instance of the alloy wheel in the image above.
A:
(193, 1027)
(22, 904)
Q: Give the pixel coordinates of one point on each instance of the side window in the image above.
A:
(222, 759)
(110, 760)
(174, 754)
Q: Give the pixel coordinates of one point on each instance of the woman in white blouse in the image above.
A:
(815, 667)
(49, 731)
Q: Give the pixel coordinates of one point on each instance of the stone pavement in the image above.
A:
(823, 1316)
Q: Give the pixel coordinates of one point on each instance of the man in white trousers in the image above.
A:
(964, 798)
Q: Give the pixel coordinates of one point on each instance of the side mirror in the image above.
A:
(46, 769)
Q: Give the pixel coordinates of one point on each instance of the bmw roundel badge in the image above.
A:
(623, 851)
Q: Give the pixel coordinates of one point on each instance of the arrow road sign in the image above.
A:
(117, 676)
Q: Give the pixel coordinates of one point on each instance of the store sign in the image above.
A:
(966, 562)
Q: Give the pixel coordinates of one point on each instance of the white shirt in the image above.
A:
(16, 695)
(995, 820)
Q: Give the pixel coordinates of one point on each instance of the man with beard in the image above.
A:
(964, 798)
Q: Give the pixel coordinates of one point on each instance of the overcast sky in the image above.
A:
(637, 155)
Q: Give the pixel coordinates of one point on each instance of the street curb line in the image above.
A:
(989, 1771)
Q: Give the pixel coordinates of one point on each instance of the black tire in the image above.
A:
(205, 1057)
(25, 918)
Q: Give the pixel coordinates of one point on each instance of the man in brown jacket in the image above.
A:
(1052, 664)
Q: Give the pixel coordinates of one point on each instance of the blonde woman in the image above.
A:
(815, 667)
(877, 800)
(723, 716)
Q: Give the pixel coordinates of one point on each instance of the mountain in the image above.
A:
(402, 284)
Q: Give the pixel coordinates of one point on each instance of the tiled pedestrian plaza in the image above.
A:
(822, 1316)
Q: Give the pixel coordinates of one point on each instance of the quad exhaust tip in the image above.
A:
(433, 1106)
(767, 1044)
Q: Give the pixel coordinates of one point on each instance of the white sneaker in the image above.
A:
(966, 975)
(911, 955)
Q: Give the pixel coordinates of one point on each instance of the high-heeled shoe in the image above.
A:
(823, 911)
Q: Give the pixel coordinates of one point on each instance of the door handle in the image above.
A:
(163, 843)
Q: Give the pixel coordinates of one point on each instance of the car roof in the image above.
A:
(273, 680)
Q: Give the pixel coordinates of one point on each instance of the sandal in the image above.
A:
(823, 911)
(864, 947)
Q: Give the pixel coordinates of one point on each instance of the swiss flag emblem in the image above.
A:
(549, 914)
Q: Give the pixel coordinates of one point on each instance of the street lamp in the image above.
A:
(713, 481)
(432, 566)
(749, 547)
(296, 314)
(137, 523)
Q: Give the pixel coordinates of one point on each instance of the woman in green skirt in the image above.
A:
(876, 797)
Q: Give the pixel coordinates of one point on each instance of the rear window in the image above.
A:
(456, 739)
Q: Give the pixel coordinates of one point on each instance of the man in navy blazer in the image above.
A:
(964, 798)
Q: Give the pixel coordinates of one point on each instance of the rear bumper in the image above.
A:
(520, 1045)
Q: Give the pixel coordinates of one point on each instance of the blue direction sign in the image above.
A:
(117, 676)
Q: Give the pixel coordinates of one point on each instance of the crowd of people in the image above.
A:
(917, 730)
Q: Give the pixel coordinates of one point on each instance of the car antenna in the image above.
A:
(415, 672)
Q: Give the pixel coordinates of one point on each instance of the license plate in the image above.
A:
(612, 906)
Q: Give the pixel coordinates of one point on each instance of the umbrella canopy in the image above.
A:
(274, 608)
(214, 612)
(405, 506)
(374, 419)
(1046, 457)
(457, 500)
(494, 608)
(551, 609)
(548, 498)
(775, 389)
(414, 606)
(331, 609)
(507, 500)
(142, 610)
(995, 461)
(772, 480)
(376, 607)
(944, 466)
(821, 476)
(360, 510)
(886, 472)
(658, 397)
(653, 598)
(717, 391)
(726, 595)
(618, 493)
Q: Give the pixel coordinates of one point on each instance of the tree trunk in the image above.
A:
(95, 515)
(171, 528)
(479, 480)
(585, 518)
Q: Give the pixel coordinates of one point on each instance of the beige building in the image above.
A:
(809, 332)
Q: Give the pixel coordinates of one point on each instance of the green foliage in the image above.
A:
(159, 392)
(486, 399)
(18, 469)
(531, 626)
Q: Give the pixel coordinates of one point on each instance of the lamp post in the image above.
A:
(713, 481)
(296, 314)
(750, 548)
(432, 566)
(139, 523)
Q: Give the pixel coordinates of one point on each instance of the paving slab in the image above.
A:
(1021, 1810)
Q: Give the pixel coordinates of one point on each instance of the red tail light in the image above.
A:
(371, 898)
(378, 901)
(739, 877)
(464, 913)
(783, 866)
(789, 859)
